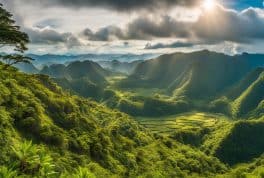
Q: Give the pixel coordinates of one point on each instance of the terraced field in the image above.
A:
(187, 121)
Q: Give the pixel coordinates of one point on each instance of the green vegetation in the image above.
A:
(76, 132)
(182, 114)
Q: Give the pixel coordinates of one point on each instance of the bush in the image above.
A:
(156, 107)
(51, 136)
(194, 138)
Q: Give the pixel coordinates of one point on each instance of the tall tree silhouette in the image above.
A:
(11, 36)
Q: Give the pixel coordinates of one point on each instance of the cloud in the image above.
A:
(104, 34)
(229, 25)
(211, 27)
(143, 28)
(176, 44)
(163, 27)
(53, 23)
(121, 5)
(49, 37)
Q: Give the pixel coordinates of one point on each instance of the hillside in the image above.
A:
(235, 91)
(243, 143)
(236, 142)
(250, 99)
(28, 68)
(68, 132)
(82, 87)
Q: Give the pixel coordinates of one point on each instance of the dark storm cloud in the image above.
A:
(49, 36)
(148, 28)
(104, 34)
(141, 29)
(176, 44)
(122, 5)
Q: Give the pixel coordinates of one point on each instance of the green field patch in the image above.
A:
(182, 122)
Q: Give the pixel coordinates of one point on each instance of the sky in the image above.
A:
(140, 26)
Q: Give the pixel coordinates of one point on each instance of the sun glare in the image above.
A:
(209, 4)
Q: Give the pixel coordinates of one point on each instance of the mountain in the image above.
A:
(76, 70)
(122, 67)
(183, 81)
(84, 78)
(72, 136)
(196, 75)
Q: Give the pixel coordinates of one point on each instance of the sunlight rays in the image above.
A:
(209, 4)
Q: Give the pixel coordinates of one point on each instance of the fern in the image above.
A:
(33, 161)
(7, 173)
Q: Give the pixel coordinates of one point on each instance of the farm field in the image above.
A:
(188, 122)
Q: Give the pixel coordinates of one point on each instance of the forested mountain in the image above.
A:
(175, 83)
(85, 78)
(77, 70)
(201, 74)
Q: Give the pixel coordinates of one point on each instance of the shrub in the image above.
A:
(221, 105)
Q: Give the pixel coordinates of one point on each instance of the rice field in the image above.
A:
(188, 121)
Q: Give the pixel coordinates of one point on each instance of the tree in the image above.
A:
(10, 35)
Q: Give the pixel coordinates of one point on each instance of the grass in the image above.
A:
(188, 122)
(112, 80)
